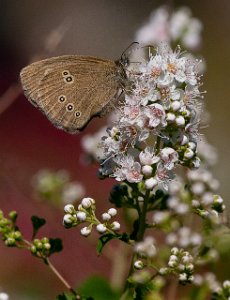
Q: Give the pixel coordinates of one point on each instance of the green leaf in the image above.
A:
(98, 288)
(56, 245)
(65, 296)
(104, 239)
(37, 224)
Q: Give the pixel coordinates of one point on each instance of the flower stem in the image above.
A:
(62, 279)
(141, 231)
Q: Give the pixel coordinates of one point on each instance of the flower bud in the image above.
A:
(69, 209)
(138, 265)
(81, 216)
(180, 121)
(150, 183)
(147, 170)
(87, 202)
(85, 231)
(112, 212)
(115, 226)
(101, 228)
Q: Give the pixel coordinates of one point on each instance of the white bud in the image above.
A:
(188, 153)
(180, 121)
(172, 263)
(226, 284)
(150, 183)
(192, 145)
(106, 217)
(163, 271)
(170, 117)
(183, 277)
(69, 208)
(175, 105)
(174, 250)
(68, 219)
(85, 231)
(184, 140)
(81, 216)
(190, 267)
(115, 226)
(87, 202)
(173, 257)
(101, 228)
(138, 265)
(112, 212)
(217, 199)
(147, 170)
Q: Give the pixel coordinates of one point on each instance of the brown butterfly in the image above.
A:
(72, 89)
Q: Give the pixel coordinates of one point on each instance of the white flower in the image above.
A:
(129, 169)
(156, 115)
(146, 248)
(72, 192)
(169, 157)
(156, 29)
(148, 157)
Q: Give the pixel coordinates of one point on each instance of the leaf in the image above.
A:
(56, 245)
(97, 288)
(65, 296)
(37, 224)
(104, 239)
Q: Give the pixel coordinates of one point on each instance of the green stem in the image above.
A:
(142, 226)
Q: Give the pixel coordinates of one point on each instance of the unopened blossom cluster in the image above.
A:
(158, 123)
(181, 263)
(85, 213)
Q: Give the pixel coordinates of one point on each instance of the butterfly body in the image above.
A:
(71, 89)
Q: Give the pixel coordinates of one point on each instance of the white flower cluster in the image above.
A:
(146, 248)
(181, 263)
(179, 26)
(163, 103)
(184, 237)
(86, 213)
(222, 292)
(57, 187)
(203, 187)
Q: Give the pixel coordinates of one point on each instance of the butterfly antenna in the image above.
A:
(123, 56)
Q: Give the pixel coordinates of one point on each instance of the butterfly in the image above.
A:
(72, 89)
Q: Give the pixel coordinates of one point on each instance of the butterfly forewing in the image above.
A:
(71, 89)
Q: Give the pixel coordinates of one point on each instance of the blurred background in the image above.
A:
(29, 142)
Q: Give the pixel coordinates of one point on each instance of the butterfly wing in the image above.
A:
(71, 89)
